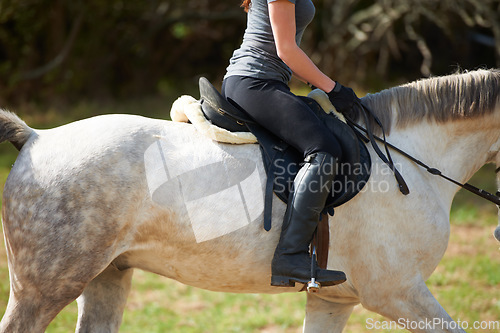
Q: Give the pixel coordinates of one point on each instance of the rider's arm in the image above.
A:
(282, 16)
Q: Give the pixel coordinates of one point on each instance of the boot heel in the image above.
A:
(282, 281)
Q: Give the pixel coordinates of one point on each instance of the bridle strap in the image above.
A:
(482, 193)
(403, 187)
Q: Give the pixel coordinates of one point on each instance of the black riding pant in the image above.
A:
(271, 104)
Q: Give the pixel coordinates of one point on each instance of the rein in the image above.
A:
(494, 198)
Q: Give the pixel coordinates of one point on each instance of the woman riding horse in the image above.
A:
(257, 82)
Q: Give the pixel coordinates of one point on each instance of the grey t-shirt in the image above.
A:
(257, 56)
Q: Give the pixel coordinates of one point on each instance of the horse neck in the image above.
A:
(458, 148)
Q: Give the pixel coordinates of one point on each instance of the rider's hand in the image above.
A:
(343, 98)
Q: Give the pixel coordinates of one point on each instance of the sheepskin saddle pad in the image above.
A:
(220, 120)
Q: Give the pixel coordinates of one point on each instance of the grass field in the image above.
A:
(466, 282)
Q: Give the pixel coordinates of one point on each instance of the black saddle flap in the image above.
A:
(219, 110)
(281, 161)
(355, 166)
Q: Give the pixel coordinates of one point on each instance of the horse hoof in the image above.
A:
(497, 233)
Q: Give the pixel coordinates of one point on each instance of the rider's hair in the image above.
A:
(246, 5)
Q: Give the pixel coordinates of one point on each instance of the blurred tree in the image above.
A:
(57, 49)
(96, 49)
(358, 38)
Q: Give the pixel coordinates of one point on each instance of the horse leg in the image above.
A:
(414, 309)
(101, 305)
(32, 307)
(325, 316)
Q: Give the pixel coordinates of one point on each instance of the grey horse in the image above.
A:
(87, 203)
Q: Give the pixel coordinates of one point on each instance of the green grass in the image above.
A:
(466, 282)
(187, 309)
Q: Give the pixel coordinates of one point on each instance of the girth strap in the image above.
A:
(268, 201)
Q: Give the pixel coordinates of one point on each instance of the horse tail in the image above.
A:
(13, 129)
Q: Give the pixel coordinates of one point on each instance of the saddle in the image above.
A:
(282, 161)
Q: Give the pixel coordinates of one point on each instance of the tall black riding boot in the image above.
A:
(292, 262)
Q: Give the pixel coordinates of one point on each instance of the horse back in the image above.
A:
(123, 189)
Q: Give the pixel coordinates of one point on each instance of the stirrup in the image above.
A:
(313, 286)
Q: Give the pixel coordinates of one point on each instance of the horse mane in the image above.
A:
(441, 99)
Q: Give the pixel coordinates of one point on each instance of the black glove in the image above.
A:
(343, 98)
